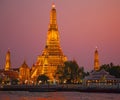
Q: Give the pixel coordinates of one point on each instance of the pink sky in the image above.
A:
(83, 25)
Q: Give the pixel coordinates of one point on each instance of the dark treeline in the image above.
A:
(112, 69)
(72, 73)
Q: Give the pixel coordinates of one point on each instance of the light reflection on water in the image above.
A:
(22, 95)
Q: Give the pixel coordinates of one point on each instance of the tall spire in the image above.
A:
(96, 60)
(7, 62)
(52, 55)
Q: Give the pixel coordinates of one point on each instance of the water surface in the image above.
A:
(23, 95)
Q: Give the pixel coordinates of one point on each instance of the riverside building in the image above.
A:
(100, 77)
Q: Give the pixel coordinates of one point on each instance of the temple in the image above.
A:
(24, 73)
(52, 55)
(8, 74)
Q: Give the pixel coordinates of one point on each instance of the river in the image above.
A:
(23, 95)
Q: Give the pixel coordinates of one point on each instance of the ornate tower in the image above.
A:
(7, 61)
(52, 55)
(24, 73)
(96, 60)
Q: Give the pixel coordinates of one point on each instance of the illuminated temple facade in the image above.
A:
(52, 55)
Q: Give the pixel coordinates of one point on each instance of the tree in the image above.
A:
(70, 72)
(59, 74)
(112, 69)
(43, 78)
(115, 70)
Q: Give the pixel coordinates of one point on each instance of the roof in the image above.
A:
(98, 75)
(24, 65)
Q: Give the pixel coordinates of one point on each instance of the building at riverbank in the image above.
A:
(52, 55)
(100, 76)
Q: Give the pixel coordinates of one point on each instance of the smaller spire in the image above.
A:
(7, 62)
(96, 60)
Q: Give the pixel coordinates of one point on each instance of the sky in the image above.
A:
(83, 25)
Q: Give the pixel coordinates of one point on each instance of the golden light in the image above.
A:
(53, 5)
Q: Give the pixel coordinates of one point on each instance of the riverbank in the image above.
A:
(60, 88)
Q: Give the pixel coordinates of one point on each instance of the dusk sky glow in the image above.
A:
(82, 24)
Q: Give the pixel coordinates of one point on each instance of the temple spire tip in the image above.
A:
(53, 5)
